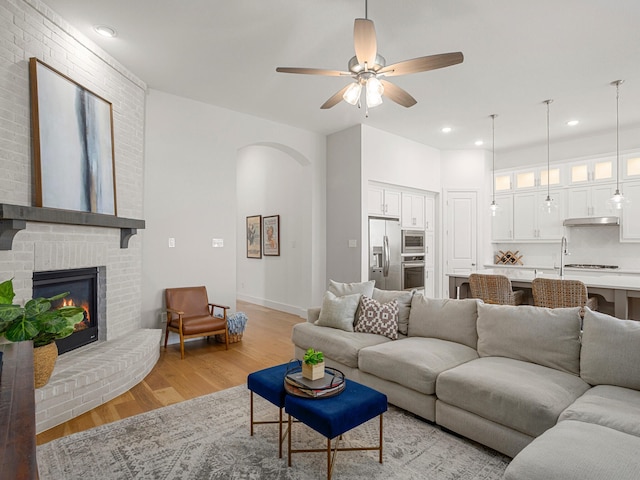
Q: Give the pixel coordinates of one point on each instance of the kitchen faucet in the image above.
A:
(563, 252)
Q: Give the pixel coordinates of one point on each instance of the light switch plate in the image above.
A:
(172, 242)
(217, 243)
(353, 243)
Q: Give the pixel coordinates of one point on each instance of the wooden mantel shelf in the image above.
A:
(14, 218)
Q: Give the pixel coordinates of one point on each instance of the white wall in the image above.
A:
(191, 195)
(271, 182)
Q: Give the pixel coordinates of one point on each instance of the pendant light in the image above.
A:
(494, 208)
(617, 201)
(549, 206)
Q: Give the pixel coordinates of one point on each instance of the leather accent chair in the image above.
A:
(495, 289)
(189, 314)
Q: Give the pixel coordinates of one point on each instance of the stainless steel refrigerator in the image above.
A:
(384, 253)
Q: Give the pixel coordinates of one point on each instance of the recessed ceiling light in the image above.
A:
(446, 129)
(479, 143)
(573, 123)
(105, 31)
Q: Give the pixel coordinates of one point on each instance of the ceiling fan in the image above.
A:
(367, 68)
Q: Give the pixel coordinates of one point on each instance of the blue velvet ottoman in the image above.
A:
(333, 416)
(269, 384)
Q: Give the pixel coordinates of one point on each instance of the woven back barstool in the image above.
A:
(560, 293)
(494, 289)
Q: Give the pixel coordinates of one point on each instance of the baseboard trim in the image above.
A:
(281, 307)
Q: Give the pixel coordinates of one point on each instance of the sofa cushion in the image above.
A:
(414, 362)
(378, 318)
(337, 345)
(404, 304)
(444, 318)
(548, 337)
(609, 406)
(610, 351)
(523, 396)
(578, 451)
(341, 289)
(338, 312)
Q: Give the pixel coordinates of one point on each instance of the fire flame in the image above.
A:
(68, 302)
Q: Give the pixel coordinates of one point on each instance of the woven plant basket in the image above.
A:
(44, 360)
(233, 338)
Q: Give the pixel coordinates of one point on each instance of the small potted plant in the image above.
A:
(36, 321)
(313, 364)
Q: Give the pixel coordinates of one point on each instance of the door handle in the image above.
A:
(385, 256)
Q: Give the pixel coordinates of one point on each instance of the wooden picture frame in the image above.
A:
(271, 235)
(254, 236)
(74, 161)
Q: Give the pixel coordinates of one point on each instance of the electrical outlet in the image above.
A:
(217, 243)
(353, 243)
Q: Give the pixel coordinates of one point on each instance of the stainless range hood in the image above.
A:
(591, 221)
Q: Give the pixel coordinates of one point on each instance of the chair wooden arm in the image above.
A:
(177, 312)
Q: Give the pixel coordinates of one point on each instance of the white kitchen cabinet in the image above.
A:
(429, 249)
(383, 202)
(530, 222)
(630, 230)
(589, 200)
(532, 178)
(429, 213)
(631, 166)
(413, 208)
(503, 181)
(502, 222)
(592, 171)
(429, 283)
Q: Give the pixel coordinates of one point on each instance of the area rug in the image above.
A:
(208, 438)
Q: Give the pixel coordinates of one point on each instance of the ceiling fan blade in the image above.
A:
(312, 71)
(333, 101)
(364, 40)
(422, 64)
(397, 94)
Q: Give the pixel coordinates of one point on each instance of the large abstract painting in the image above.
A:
(72, 144)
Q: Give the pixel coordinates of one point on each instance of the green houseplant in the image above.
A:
(313, 364)
(38, 322)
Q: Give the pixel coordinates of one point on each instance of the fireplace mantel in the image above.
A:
(14, 218)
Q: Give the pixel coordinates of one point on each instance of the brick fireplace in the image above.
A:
(124, 352)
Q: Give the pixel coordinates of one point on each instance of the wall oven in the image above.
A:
(412, 272)
(413, 242)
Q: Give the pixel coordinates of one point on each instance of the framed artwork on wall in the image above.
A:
(254, 236)
(74, 161)
(271, 229)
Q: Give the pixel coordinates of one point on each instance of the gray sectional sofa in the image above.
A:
(559, 395)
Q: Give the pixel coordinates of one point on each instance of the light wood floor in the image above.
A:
(207, 368)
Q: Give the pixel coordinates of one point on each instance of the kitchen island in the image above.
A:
(617, 290)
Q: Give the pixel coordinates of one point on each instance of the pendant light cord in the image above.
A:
(548, 151)
(618, 82)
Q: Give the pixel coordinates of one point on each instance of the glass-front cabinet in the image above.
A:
(592, 171)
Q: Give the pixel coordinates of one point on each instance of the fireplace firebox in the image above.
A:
(82, 285)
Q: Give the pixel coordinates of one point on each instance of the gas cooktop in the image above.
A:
(587, 265)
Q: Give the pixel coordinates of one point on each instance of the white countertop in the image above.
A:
(599, 280)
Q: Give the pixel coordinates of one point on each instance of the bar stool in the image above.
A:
(495, 289)
(560, 293)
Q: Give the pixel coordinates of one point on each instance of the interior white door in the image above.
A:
(462, 231)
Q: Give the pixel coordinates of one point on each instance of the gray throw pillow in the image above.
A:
(547, 336)
(444, 318)
(338, 312)
(404, 305)
(610, 351)
(341, 289)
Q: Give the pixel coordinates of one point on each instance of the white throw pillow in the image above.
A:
(338, 312)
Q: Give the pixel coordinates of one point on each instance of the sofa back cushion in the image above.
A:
(610, 351)
(444, 318)
(547, 336)
(341, 289)
(404, 305)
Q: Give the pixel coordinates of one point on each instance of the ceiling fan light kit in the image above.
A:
(368, 67)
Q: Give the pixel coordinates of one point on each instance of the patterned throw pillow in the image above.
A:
(378, 318)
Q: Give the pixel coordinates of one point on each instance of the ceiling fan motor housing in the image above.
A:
(357, 68)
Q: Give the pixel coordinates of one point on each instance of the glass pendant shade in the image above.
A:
(494, 209)
(352, 95)
(617, 202)
(374, 92)
(549, 206)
